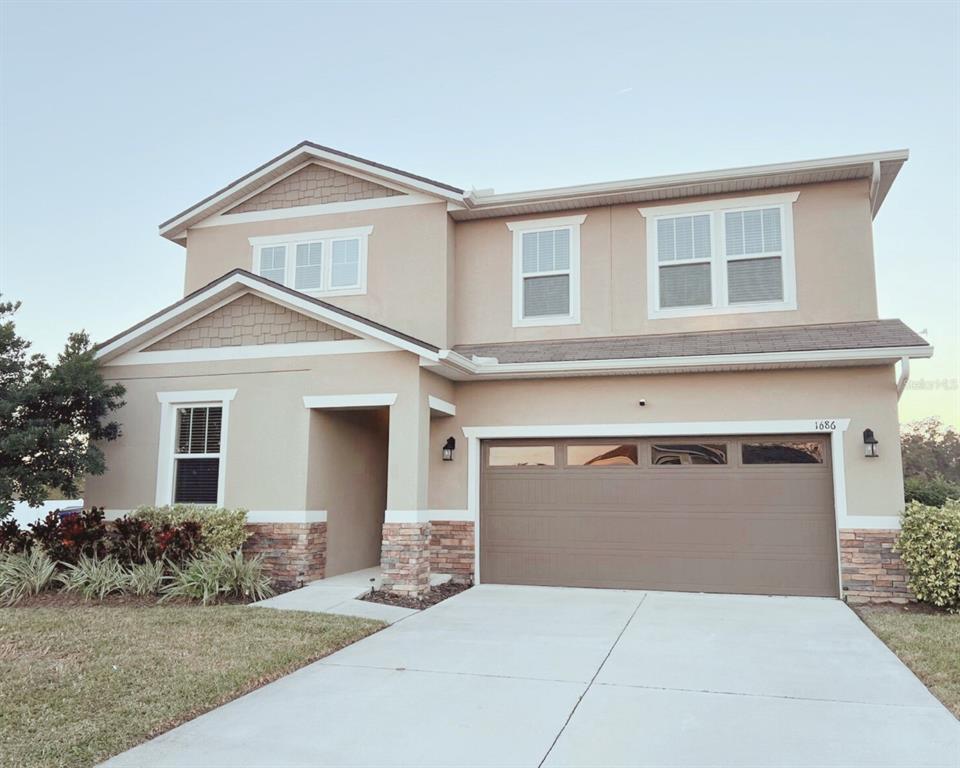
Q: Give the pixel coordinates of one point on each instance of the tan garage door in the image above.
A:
(749, 515)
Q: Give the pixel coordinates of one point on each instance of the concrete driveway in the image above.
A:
(531, 676)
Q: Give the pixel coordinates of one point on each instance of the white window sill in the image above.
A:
(536, 322)
(734, 309)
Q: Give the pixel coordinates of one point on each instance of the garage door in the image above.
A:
(739, 514)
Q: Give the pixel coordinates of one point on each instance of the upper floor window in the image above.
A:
(721, 257)
(330, 263)
(546, 271)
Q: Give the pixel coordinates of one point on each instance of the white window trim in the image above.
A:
(169, 402)
(327, 237)
(540, 225)
(718, 258)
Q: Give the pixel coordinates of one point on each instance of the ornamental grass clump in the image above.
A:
(94, 577)
(146, 578)
(219, 576)
(929, 546)
(25, 573)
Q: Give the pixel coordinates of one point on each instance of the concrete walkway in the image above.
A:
(528, 676)
(338, 595)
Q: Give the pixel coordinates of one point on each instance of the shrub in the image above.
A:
(931, 491)
(929, 546)
(146, 578)
(135, 540)
(12, 537)
(132, 540)
(24, 573)
(67, 539)
(215, 576)
(222, 530)
(94, 577)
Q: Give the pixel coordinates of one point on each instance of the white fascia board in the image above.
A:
(350, 401)
(661, 429)
(652, 364)
(328, 157)
(653, 182)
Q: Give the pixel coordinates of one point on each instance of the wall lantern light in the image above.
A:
(870, 444)
(448, 448)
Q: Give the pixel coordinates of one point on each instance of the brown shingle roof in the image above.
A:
(794, 338)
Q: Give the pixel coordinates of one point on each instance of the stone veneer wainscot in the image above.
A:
(871, 570)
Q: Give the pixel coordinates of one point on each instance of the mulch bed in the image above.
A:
(436, 594)
(59, 599)
(914, 608)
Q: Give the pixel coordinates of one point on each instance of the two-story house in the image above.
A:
(674, 383)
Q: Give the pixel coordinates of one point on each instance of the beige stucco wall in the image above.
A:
(407, 265)
(268, 432)
(269, 436)
(834, 269)
(867, 396)
(347, 477)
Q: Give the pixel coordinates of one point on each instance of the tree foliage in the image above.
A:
(52, 416)
(930, 449)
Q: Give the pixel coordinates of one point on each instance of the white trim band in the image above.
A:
(441, 406)
(254, 352)
(260, 516)
(349, 401)
(427, 515)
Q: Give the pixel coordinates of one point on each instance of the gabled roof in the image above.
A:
(261, 176)
(238, 282)
(880, 168)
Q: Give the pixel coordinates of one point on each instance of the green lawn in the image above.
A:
(81, 683)
(928, 643)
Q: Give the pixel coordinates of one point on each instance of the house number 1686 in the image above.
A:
(827, 425)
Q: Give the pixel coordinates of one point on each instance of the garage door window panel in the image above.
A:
(605, 455)
(689, 454)
(782, 452)
(521, 456)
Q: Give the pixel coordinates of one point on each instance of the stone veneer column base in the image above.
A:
(451, 548)
(871, 572)
(292, 552)
(405, 558)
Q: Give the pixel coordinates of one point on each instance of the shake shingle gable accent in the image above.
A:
(872, 334)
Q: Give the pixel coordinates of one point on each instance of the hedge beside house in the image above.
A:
(929, 546)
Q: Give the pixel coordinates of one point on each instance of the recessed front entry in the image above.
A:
(738, 514)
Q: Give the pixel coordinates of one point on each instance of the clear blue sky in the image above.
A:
(116, 116)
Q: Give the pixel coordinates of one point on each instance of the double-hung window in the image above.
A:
(330, 263)
(546, 271)
(721, 257)
(193, 438)
(197, 456)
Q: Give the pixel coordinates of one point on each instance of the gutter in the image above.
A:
(490, 368)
